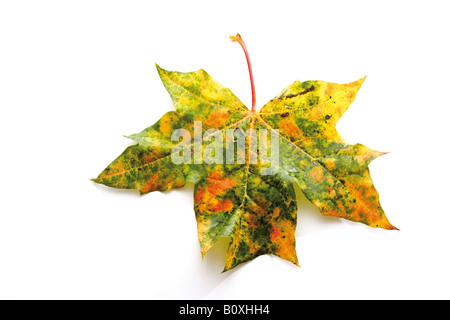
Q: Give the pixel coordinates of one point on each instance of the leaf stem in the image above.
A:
(239, 39)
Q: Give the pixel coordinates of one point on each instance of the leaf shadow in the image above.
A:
(207, 274)
(204, 274)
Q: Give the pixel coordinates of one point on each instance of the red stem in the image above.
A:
(238, 39)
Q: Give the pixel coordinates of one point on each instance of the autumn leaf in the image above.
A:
(247, 200)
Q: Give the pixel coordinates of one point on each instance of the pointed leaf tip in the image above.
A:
(159, 69)
(361, 80)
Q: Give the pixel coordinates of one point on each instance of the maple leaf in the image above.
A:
(255, 210)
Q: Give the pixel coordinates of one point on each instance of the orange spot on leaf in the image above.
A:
(288, 127)
(217, 118)
(276, 212)
(316, 174)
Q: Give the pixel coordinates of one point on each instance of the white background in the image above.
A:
(77, 75)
